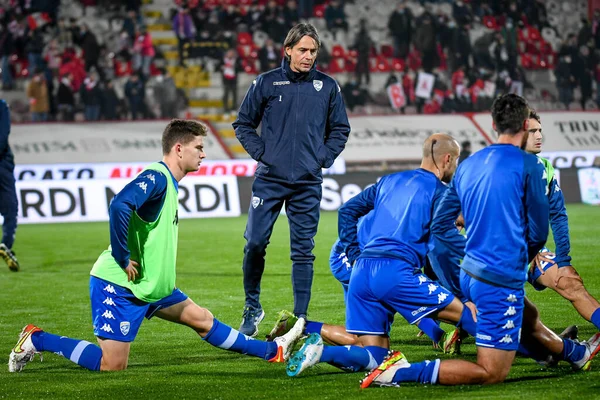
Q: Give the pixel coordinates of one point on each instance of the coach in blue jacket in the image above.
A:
(8, 194)
(304, 128)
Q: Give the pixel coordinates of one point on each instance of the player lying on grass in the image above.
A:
(555, 270)
(387, 277)
(501, 192)
(135, 277)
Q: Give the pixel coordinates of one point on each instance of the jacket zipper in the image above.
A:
(295, 132)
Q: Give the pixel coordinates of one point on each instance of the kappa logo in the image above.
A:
(143, 186)
(281, 83)
(511, 311)
(107, 328)
(256, 201)
(418, 311)
(124, 327)
(441, 297)
(509, 324)
(318, 85)
(108, 314)
(110, 289)
(511, 298)
(506, 339)
(151, 177)
(432, 288)
(109, 302)
(487, 338)
(422, 279)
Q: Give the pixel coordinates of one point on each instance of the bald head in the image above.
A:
(440, 144)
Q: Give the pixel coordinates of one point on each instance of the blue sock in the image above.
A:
(423, 372)
(431, 329)
(596, 318)
(225, 337)
(572, 351)
(313, 327)
(353, 358)
(467, 322)
(81, 352)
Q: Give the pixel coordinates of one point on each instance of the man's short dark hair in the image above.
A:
(533, 114)
(298, 32)
(509, 112)
(181, 131)
(465, 144)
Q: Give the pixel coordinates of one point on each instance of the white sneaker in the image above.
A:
(593, 346)
(308, 355)
(384, 373)
(24, 350)
(285, 343)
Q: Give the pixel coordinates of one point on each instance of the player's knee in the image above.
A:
(113, 364)
(198, 318)
(256, 247)
(493, 377)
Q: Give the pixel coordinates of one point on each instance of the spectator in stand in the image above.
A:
(165, 93)
(509, 34)
(269, 56)
(74, 66)
(290, 13)
(231, 18)
(323, 58)
(110, 103)
(461, 48)
(52, 55)
(353, 94)
(34, 48)
(37, 92)
(363, 48)
(481, 51)
(143, 52)
(7, 47)
(135, 94)
(400, 26)
(254, 18)
(569, 46)
(336, 17)
(513, 12)
(75, 32)
(306, 8)
(129, 24)
(124, 44)
(278, 29)
(230, 68)
(63, 34)
(564, 80)
(270, 14)
(465, 151)
(66, 99)
(426, 43)
(184, 28)
(90, 47)
(91, 97)
(461, 13)
(584, 68)
(596, 28)
(49, 78)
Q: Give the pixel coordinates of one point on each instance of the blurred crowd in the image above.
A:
(72, 70)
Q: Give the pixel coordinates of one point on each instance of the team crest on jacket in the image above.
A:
(318, 85)
(124, 328)
(255, 201)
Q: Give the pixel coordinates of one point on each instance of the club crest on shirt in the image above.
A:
(255, 201)
(124, 327)
(318, 85)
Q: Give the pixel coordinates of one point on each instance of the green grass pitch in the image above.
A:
(171, 361)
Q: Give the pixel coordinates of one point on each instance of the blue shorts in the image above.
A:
(499, 313)
(117, 314)
(534, 273)
(380, 287)
(340, 268)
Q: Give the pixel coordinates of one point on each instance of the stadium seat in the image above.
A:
(398, 64)
(387, 50)
(244, 38)
(490, 22)
(383, 64)
(338, 51)
(336, 65)
(319, 11)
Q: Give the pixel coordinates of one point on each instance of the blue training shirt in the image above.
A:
(402, 205)
(559, 221)
(502, 193)
(142, 195)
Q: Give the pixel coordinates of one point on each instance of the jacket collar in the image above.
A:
(297, 76)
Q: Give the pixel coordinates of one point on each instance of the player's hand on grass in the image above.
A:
(131, 270)
(543, 257)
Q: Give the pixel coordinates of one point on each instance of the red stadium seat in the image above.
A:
(387, 51)
(338, 51)
(244, 38)
(336, 65)
(383, 65)
(319, 11)
(533, 33)
(398, 64)
(490, 22)
(526, 61)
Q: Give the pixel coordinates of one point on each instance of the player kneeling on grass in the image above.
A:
(135, 277)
